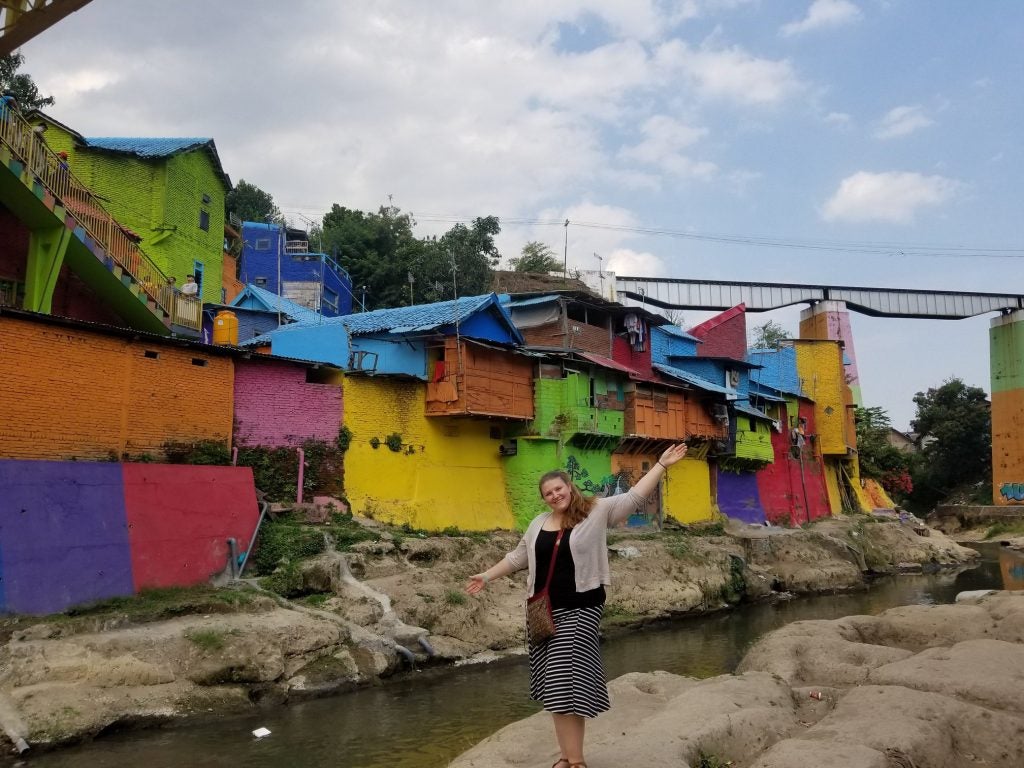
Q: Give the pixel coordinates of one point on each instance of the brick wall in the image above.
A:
(72, 393)
(820, 367)
(276, 406)
(727, 339)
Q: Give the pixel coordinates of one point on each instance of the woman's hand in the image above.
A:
(672, 454)
(476, 584)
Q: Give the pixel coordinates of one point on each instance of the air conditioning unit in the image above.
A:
(720, 413)
(508, 448)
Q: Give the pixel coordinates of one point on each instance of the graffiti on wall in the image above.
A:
(580, 476)
(1012, 491)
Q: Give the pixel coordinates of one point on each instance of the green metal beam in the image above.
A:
(46, 250)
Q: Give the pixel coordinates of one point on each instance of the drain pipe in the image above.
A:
(302, 471)
(426, 646)
(12, 724)
(234, 456)
(252, 542)
(406, 654)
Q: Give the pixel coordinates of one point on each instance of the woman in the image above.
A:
(566, 673)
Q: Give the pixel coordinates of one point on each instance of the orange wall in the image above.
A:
(70, 393)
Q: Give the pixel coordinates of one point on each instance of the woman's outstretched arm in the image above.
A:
(509, 564)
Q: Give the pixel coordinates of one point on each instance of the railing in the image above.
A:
(54, 174)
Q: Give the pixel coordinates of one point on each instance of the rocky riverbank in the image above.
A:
(935, 686)
(372, 610)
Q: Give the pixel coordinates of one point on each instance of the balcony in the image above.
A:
(470, 379)
(43, 192)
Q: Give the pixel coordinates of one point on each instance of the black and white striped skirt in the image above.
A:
(566, 673)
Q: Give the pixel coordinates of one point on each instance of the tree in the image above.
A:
(536, 257)
(250, 203)
(880, 459)
(468, 251)
(769, 336)
(21, 85)
(953, 425)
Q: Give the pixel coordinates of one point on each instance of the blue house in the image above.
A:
(394, 341)
(258, 311)
(313, 280)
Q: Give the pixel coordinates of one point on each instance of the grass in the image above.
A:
(454, 597)
(207, 639)
(1011, 527)
(711, 761)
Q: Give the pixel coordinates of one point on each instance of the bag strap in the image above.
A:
(554, 554)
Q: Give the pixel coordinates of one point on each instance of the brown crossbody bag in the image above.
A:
(540, 624)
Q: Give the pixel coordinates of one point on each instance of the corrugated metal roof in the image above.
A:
(607, 362)
(778, 369)
(419, 318)
(675, 330)
(756, 391)
(694, 379)
(275, 303)
(146, 147)
(513, 303)
(159, 147)
(746, 409)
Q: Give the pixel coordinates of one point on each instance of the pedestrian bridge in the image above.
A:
(678, 293)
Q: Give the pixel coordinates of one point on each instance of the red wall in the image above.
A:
(638, 361)
(724, 335)
(780, 485)
(179, 520)
(13, 246)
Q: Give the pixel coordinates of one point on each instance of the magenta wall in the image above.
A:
(275, 406)
(77, 532)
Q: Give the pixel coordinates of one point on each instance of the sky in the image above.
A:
(801, 122)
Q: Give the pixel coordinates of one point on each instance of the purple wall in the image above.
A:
(738, 496)
(63, 535)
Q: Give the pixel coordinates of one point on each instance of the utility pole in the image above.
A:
(565, 253)
(600, 274)
(364, 298)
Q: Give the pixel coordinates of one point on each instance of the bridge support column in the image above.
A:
(831, 320)
(1006, 348)
(46, 249)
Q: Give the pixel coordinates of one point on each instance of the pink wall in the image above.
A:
(275, 406)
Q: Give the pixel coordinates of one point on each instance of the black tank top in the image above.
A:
(563, 582)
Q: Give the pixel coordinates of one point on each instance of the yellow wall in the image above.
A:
(687, 492)
(453, 477)
(819, 365)
(835, 501)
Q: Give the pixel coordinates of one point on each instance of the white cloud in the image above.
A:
(902, 121)
(838, 118)
(626, 261)
(730, 74)
(664, 140)
(892, 196)
(824, 14)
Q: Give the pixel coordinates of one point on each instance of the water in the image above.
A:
(427, 718)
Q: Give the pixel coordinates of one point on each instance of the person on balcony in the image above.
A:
(191, 287)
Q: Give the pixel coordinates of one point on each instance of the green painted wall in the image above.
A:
(753, 439)
(562, 407)
(160, 200)
(533, 458)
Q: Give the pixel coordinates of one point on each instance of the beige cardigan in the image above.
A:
(588, 543)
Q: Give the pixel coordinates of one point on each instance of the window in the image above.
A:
(200, 362)
(261, 282)
(330, 300)
(204, 220)
(263, 244)
(151, 354)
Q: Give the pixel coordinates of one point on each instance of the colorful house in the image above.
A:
(258, 311)
(792, 488)
(278, 259)
(65, 253)
(170, 191)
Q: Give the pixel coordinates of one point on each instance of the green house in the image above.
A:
(168, 191)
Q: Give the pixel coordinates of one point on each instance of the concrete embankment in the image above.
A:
(935, 686)
(369, 608)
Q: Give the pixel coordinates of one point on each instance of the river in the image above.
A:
(425, 719)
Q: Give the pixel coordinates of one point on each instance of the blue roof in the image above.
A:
(158, 147)
(145, 147)
(419, 318)
(747, 410)
(675, 330)
(693, 379)
(757, 390)
(274, 303)
(531, 301)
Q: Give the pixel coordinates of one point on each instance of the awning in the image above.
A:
(695, 380)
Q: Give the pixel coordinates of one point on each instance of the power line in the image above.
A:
(878, 248)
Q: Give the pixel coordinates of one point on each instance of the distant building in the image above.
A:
(272, 252)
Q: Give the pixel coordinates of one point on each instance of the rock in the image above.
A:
(973, 594)
(627, 553)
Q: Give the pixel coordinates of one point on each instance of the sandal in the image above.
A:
(559, 761)
(577, 765)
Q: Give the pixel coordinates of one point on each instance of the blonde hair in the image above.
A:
(579, 505)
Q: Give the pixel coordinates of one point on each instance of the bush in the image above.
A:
(284, 540)
(202, 452)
